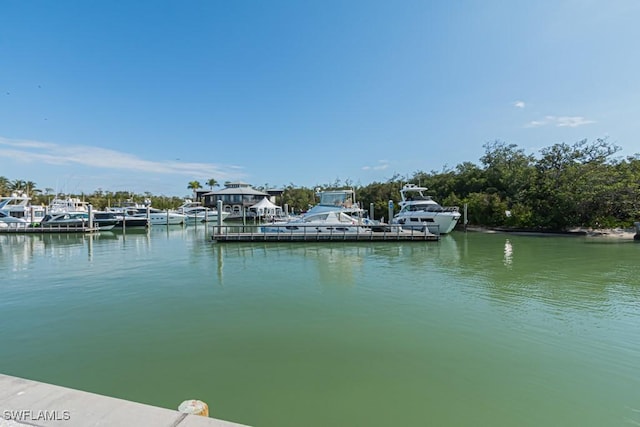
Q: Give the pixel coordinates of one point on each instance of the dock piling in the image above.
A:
(194, 407)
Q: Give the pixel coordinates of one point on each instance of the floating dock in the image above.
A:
(20, 228)
(26, 403)
(222, 236)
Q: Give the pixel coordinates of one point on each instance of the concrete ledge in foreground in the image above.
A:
(32, 403)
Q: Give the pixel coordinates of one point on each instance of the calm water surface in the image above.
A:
(477, 329)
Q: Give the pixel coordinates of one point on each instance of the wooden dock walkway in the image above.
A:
(19, 228)
(222, 236)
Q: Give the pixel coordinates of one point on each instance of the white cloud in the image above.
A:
(56, 154)
(562, 121)
(519, 104)
(382, 165)
(535, 124)
(25, 144)
(572, 122)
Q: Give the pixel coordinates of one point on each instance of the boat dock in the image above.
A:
(26, 228)
(224, 235)
(26, 403)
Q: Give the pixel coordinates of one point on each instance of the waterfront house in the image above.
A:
(236, 197)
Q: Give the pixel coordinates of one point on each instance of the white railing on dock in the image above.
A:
(25, 227)
(304, 232)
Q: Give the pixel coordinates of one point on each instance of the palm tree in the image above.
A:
(194, 185)
(5, 185)
(212, 183)
(18, 185)
(31, 187)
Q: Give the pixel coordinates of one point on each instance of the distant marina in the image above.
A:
(336, 217)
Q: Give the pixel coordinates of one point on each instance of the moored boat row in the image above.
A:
(337, 211)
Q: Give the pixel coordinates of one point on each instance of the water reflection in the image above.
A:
(562, 271)
(340, 264)
(19, 251)
(508, 253)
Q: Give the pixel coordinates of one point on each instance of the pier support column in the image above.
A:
(466, 221)
(219, 207)
(637, 236)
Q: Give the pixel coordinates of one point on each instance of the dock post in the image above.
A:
(637, 236)
(219, 207)
(90, 209)
(465, 216)
(371, 216)
(390, 210)
(194, 407)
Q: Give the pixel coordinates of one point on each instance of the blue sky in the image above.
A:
(150, 95)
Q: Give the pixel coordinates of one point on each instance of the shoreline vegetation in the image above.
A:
(562, 189)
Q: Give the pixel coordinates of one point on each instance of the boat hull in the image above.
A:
(442, 223)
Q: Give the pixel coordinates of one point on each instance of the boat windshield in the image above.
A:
(427, 207)
(318, 217)
(336, 198)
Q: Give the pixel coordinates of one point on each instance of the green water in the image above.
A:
(474, 330)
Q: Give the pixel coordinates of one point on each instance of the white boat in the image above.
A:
(328, 222)
(18, 205)
(78, 209)
(338, 201)
(122, 220)
(6, 220)
(74, 220)
(417, 211)
(155, 216)
(337, 211)
(196, 212)
(68, 204)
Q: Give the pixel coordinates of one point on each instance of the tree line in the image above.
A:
(566, 185)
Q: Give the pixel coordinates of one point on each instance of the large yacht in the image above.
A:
(67, 204)
(18, 205)
(328, 222)
(336, 212)
(75, 219)
(155, 216)
(196, 212)
(338, 201)
(418, 210)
